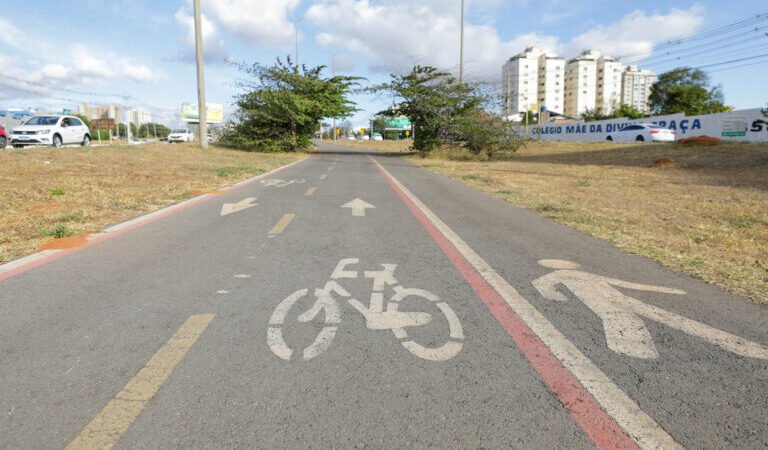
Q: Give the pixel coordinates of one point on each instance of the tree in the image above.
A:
(443, 111)
(686, 90)
(85, 120)
(628, 111)
(590, 115)
(282, 108)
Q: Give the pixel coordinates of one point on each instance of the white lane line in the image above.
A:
(638, 425)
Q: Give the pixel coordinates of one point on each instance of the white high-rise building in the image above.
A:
(636, 88)
(609, 79)
(139, 117)
(520, 81)
(581, 83)
(552, 83)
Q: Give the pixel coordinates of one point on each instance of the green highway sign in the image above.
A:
(398, 123)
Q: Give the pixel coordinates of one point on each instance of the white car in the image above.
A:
(181, 135)
(51, 130)
(642, 132)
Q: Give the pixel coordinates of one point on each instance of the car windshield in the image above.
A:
(42, 120)
(654, 127)
(179, 131)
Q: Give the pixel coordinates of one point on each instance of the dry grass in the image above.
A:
(380, 146)
(701, 210)
(47, 193)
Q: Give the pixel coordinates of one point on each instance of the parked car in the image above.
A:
(181, 135)
(51, 130)
(378, 137)
(642, 132)
(3, 137)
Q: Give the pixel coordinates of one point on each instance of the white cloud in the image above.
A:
(10, 35)
(213, 46)
(399, 33)
(637, 32)
(264, 22)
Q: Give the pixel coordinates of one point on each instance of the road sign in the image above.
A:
(398, 123)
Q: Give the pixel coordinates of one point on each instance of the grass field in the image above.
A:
(48, 193)
(700, 210)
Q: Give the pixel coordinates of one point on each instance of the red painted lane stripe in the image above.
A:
(173, 209)
(585, 410)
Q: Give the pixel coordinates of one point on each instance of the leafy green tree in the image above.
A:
(490, 135)
(154, 130)
(628, 111)
(686, 90)
(282, 106)
(433, 100)
(590, 115)
(85, 120)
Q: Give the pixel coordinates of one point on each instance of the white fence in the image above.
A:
(743, 125)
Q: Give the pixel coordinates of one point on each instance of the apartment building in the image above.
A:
(109, 111)
(139, 117)
(520, 81)
(581, 83)
(636, 88)
(609, 85)
(551, 93)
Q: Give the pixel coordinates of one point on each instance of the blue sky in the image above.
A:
(55, 54)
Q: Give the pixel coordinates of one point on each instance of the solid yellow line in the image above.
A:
(113, 421)
(310, 192)
(282, 224)
(324, 176)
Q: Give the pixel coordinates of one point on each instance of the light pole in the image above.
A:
(201, 109)
(461, 46)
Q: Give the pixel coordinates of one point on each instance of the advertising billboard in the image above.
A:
(190, 113)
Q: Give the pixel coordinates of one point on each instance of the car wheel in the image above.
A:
(57, 141)
(640, 139)
(3, 142)
(86, 141)
(609, 139)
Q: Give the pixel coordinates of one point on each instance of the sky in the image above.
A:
(56, 54)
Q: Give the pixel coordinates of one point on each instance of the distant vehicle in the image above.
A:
(378, 137)
(366, 137)
(3, 137)
(351, 137)
(181, 135)
(51, 130)
(642, 132)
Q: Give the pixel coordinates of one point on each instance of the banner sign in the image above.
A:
(214, 112)
(397, 123)
(744, 125)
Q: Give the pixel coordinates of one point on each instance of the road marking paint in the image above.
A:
(231, 208)
(358, 207)
(310, 192)
(622, 315)
(29, 262)
(113, 421)
(222, 292)
(282, 224)
(274, 182)
(324, 176)
(252, 257)
(241, 275)
(609, 417)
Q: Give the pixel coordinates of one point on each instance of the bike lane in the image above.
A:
(685, 347)
(366, 388)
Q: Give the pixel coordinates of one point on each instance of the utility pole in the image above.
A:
(203, 128)
(333, 74)
(461, 46)
(296, 30)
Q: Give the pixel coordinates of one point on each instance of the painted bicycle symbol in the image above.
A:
(274, 182)
(378, 315)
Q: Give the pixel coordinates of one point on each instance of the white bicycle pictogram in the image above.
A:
(378, 316)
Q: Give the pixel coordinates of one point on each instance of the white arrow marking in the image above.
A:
(229, 208)
(358, 207)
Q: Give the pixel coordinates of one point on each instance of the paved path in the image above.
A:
(356, 300)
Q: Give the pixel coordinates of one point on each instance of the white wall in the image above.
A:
(743, 125)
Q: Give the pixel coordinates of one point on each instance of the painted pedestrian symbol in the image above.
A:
(622, 316)
(274, 182)
(378, 314)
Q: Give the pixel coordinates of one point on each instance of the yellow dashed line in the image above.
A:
(282, 224)
(310, 192)
(324, 176)
(113, 421)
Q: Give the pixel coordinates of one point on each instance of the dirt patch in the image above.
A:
(48, 193)
(705, 214)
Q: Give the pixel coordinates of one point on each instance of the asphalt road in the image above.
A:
(424, 314)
